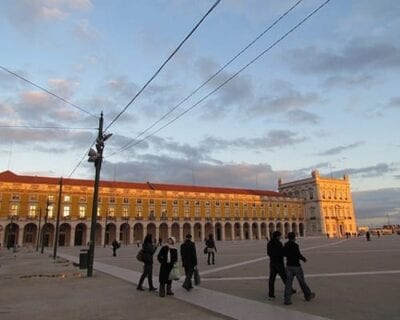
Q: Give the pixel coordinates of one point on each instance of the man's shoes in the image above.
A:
(287, 303)
(271, 297)
(170, 293)
(139, 289)
(153, 289)
(294, 291)
(311, 296)
(186, 287)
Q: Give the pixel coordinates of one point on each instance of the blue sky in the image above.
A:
(325, 98)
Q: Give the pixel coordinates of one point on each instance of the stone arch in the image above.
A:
(246, 231)
(138, 232)
(254, 229)
(271, 228)
(228, 231)
(263, 230)
(151, 229)
(237, 233)
(301, 229)
(11, 235)
(186, 229)
(111, 233)
(124, 233)
(80, 234)
(294, 229)
(208, 229)
(175, 232)
(163, 231)
(64, 235)
(286, 228)
(30, 232)
(218, 231)
(48, 231)
(197, 232)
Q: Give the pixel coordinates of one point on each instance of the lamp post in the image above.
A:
(45, 225)
(96, 156)
(9, 232)
(38, 233)
(105, 231)
(58, 219)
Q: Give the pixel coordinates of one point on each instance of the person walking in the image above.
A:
(293, 256)
(189, 260)
(276, 263)
(148, 252)
(211, 249)
(368, 235)
(167, 256)
(115, 245)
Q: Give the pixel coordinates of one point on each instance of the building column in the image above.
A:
(20, 235)
(191, 230)
(103, 234)
(131, 238)
(157, 233)
(203, 231)
(259, 231)
(223, 232)
(251, 232)
(72, 237)
(181, 236)
(88, 236)
(241, 231)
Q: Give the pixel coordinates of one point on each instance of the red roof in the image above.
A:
(8, 176)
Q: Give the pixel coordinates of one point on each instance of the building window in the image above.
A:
(263, 213)
(111, 212)
(207, 203)
(125, 200)
(125, 212)
(186, 203)
(15, 197)
(218, 213)
(32, 211)
(111, 200)
(226, 204)
(197, 203)
(151, 201)
(164, 214)
(175, 212)
(197, 213)
(139, 201)
(50, 198)
(33, 197)
(164, 202)
(82, 211)
(208, 213)
(254, 213)
(67, 198)
(14, 209)
(236, 204)
(217, 203)
(175, 203)
(66, 211)
(139, 212)
(50, 211)
(98, 211)
(152, 215)
(186, 212)
(100, 200)
(82, 199)
(227, 212)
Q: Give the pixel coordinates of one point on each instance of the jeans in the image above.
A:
(211, 254)
(297, 272)
(147, 272)
(189, 270)
(275, 269)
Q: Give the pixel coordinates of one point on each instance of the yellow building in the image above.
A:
(127, 211)
(327, 203)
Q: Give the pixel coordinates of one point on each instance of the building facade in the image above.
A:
(128, 211)
(328, 204)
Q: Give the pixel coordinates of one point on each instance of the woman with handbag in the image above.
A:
(168, 256)
(211, 249)
(148, 252)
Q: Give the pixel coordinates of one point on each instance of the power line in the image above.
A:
(47, 91)
(80, 161)
(230, 78)
(212, 77)
(162, 66)
(43, 127)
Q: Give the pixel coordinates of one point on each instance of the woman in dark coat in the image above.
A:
(167, 256)
(148, 252)
(211, 249)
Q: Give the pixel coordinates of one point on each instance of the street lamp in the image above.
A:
(96, 156)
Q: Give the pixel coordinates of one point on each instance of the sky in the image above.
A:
(325, 97)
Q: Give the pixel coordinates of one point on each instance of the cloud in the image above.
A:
(344, 82)
(394, 103)
(26, 15)
(84, 31)
(301, 116)
(374, 206)
(356, 56)
(371, 171)
(340, 149)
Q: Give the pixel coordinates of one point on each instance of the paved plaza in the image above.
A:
(353, 279)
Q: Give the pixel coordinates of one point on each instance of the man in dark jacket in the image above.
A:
(276, 264)
(293, 269)
(189, 260)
